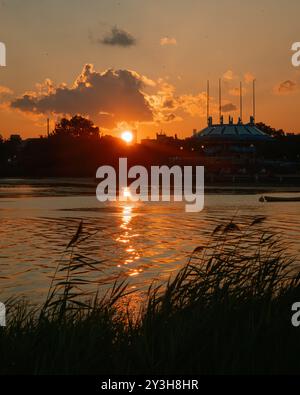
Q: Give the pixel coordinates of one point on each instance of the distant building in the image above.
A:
(233, 148)
(232, 139)
(161, 138)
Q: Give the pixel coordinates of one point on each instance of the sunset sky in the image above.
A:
(144, 64)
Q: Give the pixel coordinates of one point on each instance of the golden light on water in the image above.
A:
(126, 193)
(127, 136)
(126, 238)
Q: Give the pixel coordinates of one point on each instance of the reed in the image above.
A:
(227, 311)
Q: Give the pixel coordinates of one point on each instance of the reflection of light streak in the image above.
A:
(126, 217)
(126, 193)
(122, 240)
(126, 238)
(128, 261)
(133, 274)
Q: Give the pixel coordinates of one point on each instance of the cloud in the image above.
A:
(194, 105)
(107, 98)
(168, 103)
(168, 41)
(171, 118)
(229, 107)
(236, 91)
(118, 37)
(5, 95)
(5, 92)
(112, 98)
(228, 76)
(249, 77)
(167, 106)
(286, 87)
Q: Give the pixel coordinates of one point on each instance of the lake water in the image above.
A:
(140, 242)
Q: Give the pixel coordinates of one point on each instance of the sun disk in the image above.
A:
(127, 136)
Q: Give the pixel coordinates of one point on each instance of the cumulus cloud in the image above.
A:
(107, 98)
(118, 37)
(168, 41)
(286, 87)
(114, 97)
(229, 107)
(167, 106)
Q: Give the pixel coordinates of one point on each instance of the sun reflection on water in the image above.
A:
(127, 238)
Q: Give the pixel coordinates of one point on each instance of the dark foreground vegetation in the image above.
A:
(228, 311)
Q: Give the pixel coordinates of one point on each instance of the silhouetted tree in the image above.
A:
(77, 126)
(277, 133)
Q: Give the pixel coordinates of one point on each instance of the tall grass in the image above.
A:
(228, 310)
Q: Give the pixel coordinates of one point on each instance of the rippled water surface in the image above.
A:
(137, 241)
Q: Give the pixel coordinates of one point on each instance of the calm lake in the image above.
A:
(140, 242)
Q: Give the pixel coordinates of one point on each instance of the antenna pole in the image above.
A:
(254, 109)
(220, 99)
(207, 99)
(241, 101)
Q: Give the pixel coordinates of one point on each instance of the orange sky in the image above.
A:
(144, 65)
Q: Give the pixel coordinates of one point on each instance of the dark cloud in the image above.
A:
(169, 103)
(118, 37)
(229, 107)
(107, 98)
(169, 117)
(287, 87)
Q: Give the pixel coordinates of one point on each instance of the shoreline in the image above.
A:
(89, 183)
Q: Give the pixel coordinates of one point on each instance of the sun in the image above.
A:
(127, 136)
